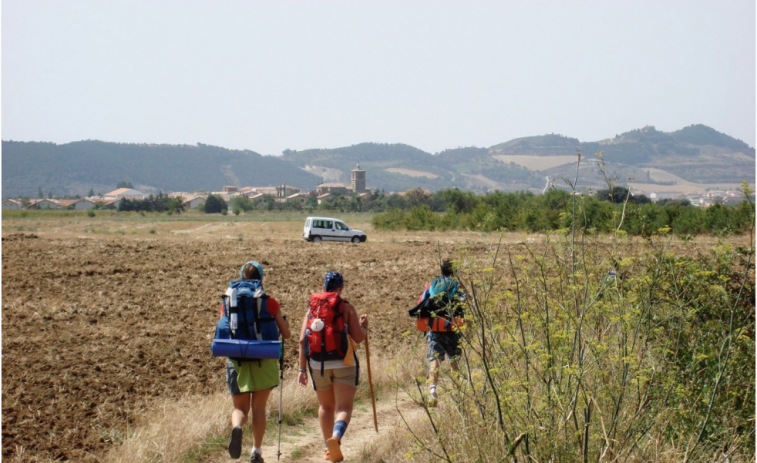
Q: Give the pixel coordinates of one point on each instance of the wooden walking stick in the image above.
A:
(370, 382)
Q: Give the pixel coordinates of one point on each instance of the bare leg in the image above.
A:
(259, 400)
(326, 409)
(238, 419)
(241, 408)
(454, 365)
(345, 398)
(433, 372)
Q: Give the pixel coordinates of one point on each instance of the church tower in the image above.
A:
(358, 180)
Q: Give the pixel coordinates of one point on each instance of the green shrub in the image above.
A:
(393, 219)
(566, 362)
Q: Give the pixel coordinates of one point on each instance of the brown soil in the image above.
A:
(98, 326)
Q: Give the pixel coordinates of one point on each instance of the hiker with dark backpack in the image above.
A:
(328, 339)
(439, 315)
(251, 324)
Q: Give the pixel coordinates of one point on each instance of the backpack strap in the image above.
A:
(259, 307)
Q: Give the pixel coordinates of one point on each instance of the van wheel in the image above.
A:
(316, 239)
(355, 239)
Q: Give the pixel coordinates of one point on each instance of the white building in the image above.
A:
(11, 205)
(128, 193)
(84, 204)
(194, 202)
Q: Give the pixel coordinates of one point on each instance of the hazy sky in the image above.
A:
(272, 75)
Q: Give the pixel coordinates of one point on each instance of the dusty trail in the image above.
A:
(304, 443)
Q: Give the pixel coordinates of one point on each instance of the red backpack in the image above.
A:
(330, 342)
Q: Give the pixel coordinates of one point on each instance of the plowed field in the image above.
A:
(99, 326)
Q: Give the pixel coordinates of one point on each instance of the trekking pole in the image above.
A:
(370, 382)
(281, 393)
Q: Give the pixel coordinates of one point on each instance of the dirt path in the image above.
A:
(304, 443)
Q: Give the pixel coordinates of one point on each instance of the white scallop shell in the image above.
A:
(317, 325)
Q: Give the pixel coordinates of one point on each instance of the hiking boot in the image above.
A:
(256, 458)
(335, 452)
(327, 455)
(235, 444)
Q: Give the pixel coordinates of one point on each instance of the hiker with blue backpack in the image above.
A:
(439, 315)
(328, 339)
(248, 334)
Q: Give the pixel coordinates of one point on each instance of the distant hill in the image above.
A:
(399, 167)
(696, 154)
(75, 168)
(545, 145)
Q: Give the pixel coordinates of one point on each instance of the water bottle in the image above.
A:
(232, 294)
(233, 319)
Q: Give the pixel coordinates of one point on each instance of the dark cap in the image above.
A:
(332, 281)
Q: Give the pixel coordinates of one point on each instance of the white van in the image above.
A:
(330, 229)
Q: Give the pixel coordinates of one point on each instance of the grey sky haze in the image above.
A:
(272, 75)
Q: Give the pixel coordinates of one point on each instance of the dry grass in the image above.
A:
(392, 446)
(174, 428)
(196, 424)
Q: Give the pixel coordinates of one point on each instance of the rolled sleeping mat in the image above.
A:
(245, 349)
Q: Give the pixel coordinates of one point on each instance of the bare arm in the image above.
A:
(302, 377)
(283, 325)
(357, 327)
(303, 363)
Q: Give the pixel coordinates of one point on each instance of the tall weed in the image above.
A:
(591, 348)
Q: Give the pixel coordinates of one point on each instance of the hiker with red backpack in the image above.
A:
(248, 334)
(439, 315)
(328, 339)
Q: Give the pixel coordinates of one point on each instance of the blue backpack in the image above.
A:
(447, 287)
(246, 329)
(441, 298)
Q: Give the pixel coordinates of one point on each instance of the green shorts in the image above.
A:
(251, 375)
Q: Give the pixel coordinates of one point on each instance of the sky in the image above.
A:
(299, 74)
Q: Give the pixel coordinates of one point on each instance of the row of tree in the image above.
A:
(153, 203)
(557, 209)
(452, 209)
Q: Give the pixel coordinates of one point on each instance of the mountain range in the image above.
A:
(695, 156)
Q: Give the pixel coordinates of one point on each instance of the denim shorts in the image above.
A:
(441, 344)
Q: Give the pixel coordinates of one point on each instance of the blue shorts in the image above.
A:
(441, 344)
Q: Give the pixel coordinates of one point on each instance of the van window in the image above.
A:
(317, 223)
(341, 226)
(329, 224)
(307, 223)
